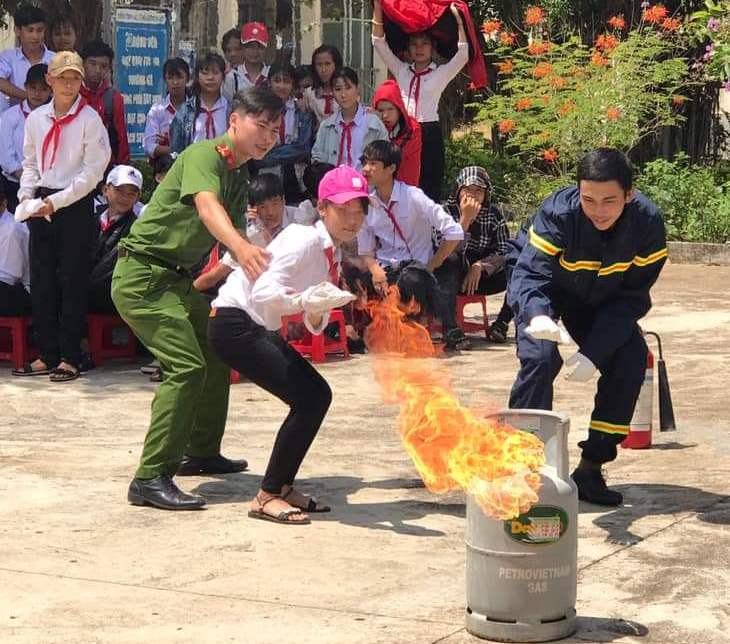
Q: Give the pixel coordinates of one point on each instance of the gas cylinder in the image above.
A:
(639, 436)
(521, 574)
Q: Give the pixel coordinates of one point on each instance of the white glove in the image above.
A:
(27, 208)
(584, 368)
(541, 327)
(324, 297)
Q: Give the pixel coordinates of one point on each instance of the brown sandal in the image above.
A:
(312, 505)
(282, 517)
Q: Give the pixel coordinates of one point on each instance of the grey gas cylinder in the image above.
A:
(521, 576)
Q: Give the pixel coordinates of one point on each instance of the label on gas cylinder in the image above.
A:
(540, 525)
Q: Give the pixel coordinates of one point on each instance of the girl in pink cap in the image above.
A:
(303, 277)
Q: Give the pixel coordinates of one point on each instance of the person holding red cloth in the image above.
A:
(404, 130)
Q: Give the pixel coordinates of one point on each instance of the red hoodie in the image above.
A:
(408, 138)
(95, 98)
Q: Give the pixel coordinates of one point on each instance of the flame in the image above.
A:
(451, 447)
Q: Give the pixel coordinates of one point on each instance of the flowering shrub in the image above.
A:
(713, 25)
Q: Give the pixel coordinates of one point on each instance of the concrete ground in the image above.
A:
(77, 564)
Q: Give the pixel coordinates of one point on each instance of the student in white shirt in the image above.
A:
(204, 115)
(66, 151)
(156, 140)
(343, 136)
(246, 318)
(253, 71)
(14, 264)
(399, 229)
(320, 97)
(421, 84)
(30, 30)
(12, 126)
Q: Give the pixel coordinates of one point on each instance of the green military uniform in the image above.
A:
(152, 289)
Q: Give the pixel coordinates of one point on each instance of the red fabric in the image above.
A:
(414, 16)
(209, 121)
(213, 259)
(396, 226)
(408, 138)
(54, 134)
(346, 142)
(414, 89)
(333, 267)
(329, 100)
(95, 99)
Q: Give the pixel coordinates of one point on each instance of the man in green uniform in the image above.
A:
(202, 199)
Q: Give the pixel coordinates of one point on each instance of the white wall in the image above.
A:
(7, 35)
(227, 18)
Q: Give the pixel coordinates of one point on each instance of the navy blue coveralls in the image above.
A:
(598, 284)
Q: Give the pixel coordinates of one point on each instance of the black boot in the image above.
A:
(592, 487)
(455, 340)
(197, 465)
(161, 492)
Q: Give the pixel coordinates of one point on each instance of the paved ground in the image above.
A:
(77, 564)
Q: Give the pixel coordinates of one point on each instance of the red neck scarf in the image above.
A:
(54, 134)
(209, 121)
(329, 100)
(414, 89)
(333, 267)
(396, 226)
(346, 140)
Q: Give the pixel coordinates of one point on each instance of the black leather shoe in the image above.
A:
(592, 488)
(197, 465)
(161, 492)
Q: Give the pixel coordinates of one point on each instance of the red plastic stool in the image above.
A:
(461, 302)
(19, 351)
(317, 346)
(235, 377)
(100, 338)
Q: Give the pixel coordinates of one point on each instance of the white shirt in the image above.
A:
(82, 156)
(14, 258)
(14, 67)
(220, 121)
(416, 216)
(317, 105)
(433, 84)
(238, 79)
(298, 261)
(291, 215)
(12, 126)
(157, 124)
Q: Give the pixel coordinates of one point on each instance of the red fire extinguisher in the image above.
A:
(640, 427)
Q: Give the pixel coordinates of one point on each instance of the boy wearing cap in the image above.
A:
(253, 72)
(12, 125)
(246, 317)
(201, 199)
(66, 150)
(122, 190)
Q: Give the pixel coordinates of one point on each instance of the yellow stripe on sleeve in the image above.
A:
(542, 244)
(650, 259)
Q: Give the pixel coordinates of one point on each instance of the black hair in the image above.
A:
(162, 163)
(265, 186)
(346, 73)
(37, 74)
(313, 175)
(606, 164)
(210, 59)
(3, 196)
(176, 67)
(302, 72)
(28, 15)
(257, 101)
(336, 57)
(231, 34)
(283, 68)
(61, 20)
(386, 152)
(364, 203)
(97, 49)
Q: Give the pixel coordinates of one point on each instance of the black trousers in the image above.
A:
(100, 298)
(266, 359)
(59, 274)
(10, 188)
(14, 300)
(450, 276)
(433, 159)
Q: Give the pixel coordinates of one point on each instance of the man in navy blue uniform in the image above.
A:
(589, 258)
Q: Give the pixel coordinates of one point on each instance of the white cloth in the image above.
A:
(83, 155)
(417, 216)
(542, 327)
(14, 258)
(14, 67)
(220, 121)
(298, 261)
(237, 79)
(584, 368)
(316, 105)
(12, 126)
(307, 212)
(157, 124)
(433, 84)
(26, 209)
(324, 297)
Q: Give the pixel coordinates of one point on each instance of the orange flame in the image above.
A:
(451, 447)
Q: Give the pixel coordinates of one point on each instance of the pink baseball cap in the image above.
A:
(343, 184)
(254, 32)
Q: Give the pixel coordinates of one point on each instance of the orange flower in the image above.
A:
(523, 104)
(505, 67)
(613, 113)
(541, 70)
(599, 60)
(557, 82)
(505, 126)
(678, 100)
(617, 22)
(539, 47)
(671, 24)
(550, 155)
(534, 16)
(606, 42)
(655, 14)
(507, 38)
(566, 108)
(491, 26)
